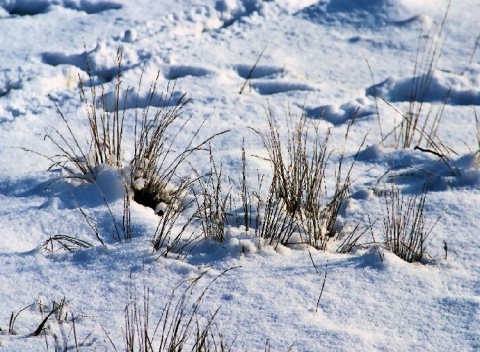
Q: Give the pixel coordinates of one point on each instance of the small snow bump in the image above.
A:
(363, 194)
(442, 86)
(160, 208)
(372, 153)
(52, 203)
(139, 183)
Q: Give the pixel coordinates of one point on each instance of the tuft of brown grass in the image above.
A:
(212, 202)
(152, 178)
(180, 326)
(299, 198)
(404, 225)
(105, 127)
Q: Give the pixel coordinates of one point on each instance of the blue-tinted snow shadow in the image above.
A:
(68, 193)
(206, 252)
(23, 187)
(174, 72)
(441, 175)
(336, 12)
(37, 7)
(92, 7)
(465, 309)
(370, 259)
(128, 257)
(260, 71)
(109, 100)
(269, 87)
(141, 100)
(99, 63)
(358, 13)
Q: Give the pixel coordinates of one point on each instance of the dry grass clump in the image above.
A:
(418, 127)
(276, 224)
(104, 145)
(420, 122)
(169, 234)
(298, 199)
(180, 326)
(404, 225)
(152, 177)
(212, 201)
(56, 325)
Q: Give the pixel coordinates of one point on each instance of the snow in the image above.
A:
(325, 59)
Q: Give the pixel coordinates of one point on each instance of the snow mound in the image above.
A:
(35, 7)
(414, 169)
(339, 114)
(99, 62)
(440, 86)
(232, 11)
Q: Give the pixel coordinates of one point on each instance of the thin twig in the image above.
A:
(252, 69)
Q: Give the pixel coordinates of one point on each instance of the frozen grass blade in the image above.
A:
(67, 243)
(253, 69)
(323, 283)
(350, 241)
(13, 318)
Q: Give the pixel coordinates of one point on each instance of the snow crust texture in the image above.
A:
(237, 60)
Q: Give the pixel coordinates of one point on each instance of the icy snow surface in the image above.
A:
(323, 58)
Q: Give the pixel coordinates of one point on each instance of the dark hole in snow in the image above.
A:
(149, 198)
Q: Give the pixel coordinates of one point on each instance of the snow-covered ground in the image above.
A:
(325, 58)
